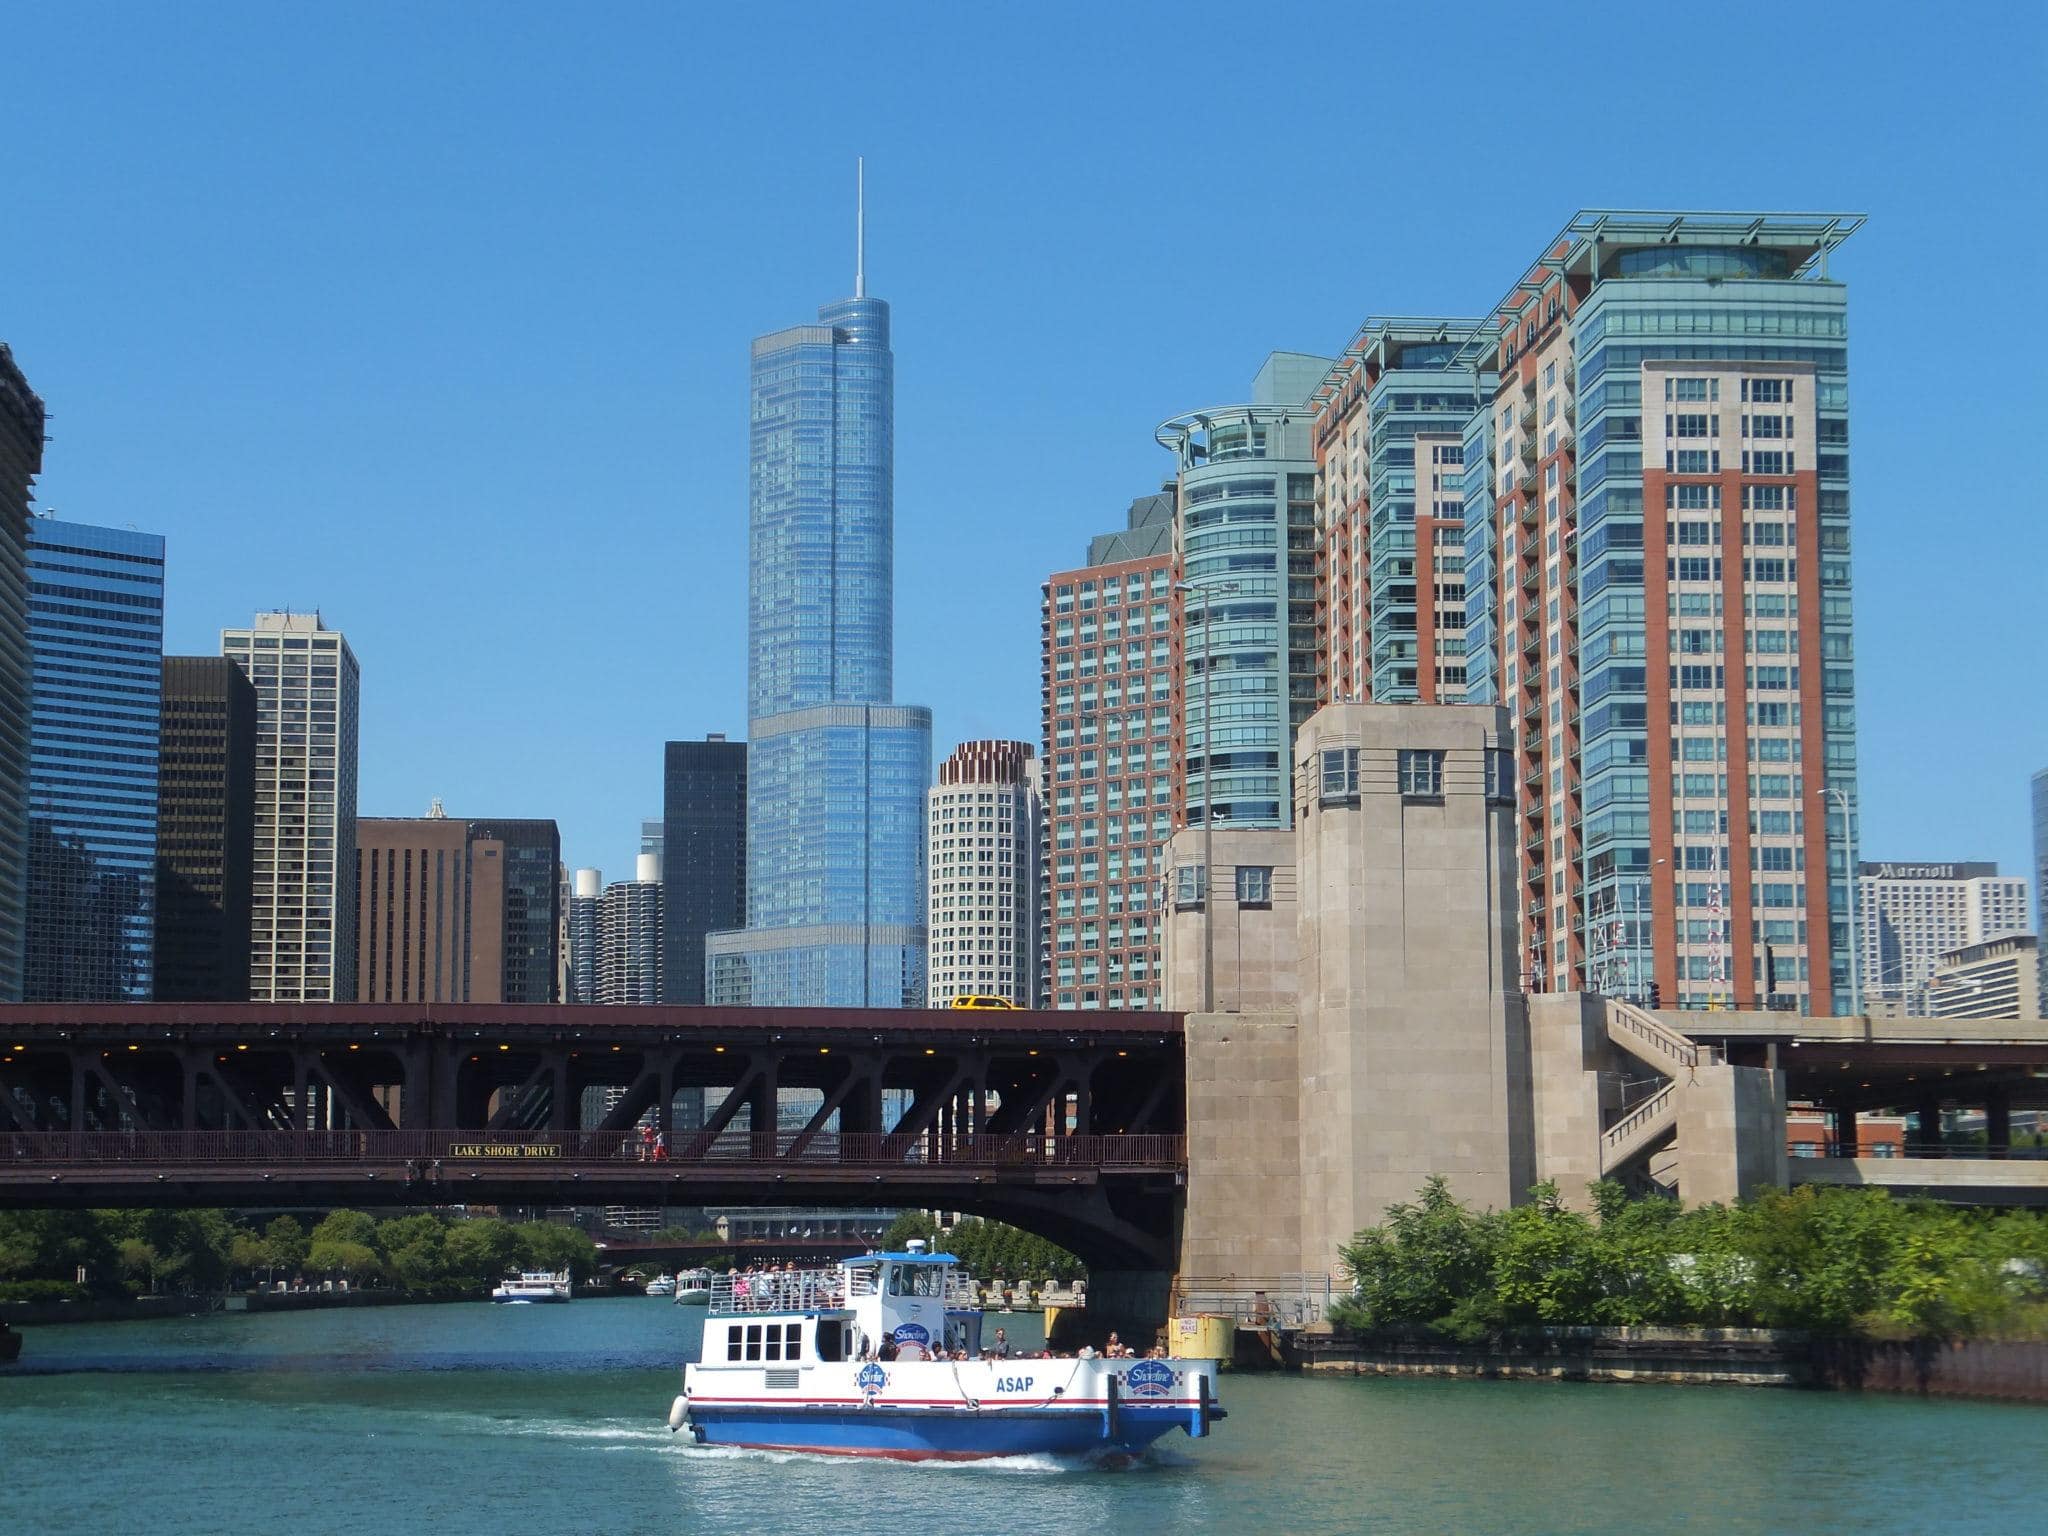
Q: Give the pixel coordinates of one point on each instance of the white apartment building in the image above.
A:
(985, 814)
(1994, 980)
(303, 906)
(629, 936)
(1909, 915)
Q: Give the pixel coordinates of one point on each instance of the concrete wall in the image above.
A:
(1243, 1213)
(1255, 946)
(1731, 1133)
(1414, 1046)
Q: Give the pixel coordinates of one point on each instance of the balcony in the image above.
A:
(1527, 419)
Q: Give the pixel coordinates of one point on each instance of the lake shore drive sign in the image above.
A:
(492, 1149)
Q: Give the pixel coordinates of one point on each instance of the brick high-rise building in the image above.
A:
(984, 833)
(531, 851)
(206, 827)
(1390, 419)
(1669, 501)
(1106, 686)
(456, 911)
(424, 907)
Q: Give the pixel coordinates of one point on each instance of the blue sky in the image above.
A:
(436, 318)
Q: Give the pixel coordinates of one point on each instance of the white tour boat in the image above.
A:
(662, 1285)
(882, 1357)
(534, 1285)
(693, 1288)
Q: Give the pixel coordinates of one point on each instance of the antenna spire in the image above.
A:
(860, 226)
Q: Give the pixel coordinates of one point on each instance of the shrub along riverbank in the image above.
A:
(131, 1253)
(1841, 1262)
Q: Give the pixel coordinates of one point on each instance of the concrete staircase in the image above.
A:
(1641, 1129)
(1647, 1038)
(1665, 1051)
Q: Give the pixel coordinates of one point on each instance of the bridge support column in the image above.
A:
(1844, 1112)
(188, 1116)
(1998, 1123)
(1928, 1129)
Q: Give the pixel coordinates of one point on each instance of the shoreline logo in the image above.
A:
(912, 1333)
(872, 1379)
(1149, 1378)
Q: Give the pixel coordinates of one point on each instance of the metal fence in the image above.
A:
(1257, 1301)
(605, 1149)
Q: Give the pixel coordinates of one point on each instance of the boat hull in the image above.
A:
(949, 1410)
(915, 1435)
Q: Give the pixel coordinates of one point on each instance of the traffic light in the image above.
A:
(1656, 996)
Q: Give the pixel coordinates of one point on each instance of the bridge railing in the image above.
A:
(1255, 1301)
(608, 1150)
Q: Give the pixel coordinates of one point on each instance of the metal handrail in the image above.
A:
(606, 1149)
(1653, 1032)
(1653, 1108)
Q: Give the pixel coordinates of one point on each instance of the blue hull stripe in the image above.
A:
(879, 1432)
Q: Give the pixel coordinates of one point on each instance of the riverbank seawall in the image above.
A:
(2007, 1370)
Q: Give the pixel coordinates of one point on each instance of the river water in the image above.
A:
(513, 1421)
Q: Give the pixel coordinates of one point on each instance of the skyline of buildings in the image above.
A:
(96, 641)
(836, 771)
(1910, 916)
(1617, 505)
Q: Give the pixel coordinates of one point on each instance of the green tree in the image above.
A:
(479, 1252)
(908, 1224)
(286, 1240)
(346, 1227)
(354, 1262)
(549, 1245)
(1543, 1263)
(1429, 1266)
(415, 1252)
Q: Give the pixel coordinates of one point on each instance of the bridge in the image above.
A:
(1069, 1124)
(1648, 1073)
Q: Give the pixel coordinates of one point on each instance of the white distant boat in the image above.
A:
(533, 1285)
(693, 1288)
(662, 1285)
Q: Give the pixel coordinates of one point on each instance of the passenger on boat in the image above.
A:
(888, 1350)
(1000, 1349)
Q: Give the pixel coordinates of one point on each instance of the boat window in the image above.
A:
(753, 1341)
(831, 1341)
(732, 1343)
(774, 1350)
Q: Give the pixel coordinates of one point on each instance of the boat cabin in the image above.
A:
(897, 1305)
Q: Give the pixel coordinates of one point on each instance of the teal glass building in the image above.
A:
(1246, 539)
(96, 606)
(836, 774)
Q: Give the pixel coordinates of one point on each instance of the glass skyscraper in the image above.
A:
(96, 633)
(836, 774)
(1246, 539)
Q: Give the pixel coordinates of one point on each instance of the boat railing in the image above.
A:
(779, 1290)
(812, 1290)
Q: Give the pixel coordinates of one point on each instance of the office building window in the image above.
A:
(1340, 776)
(1254, 885)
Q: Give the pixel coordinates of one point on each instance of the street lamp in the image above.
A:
(1841, 798)
(1207, 595)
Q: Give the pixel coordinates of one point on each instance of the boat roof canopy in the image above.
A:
(905, 1258)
